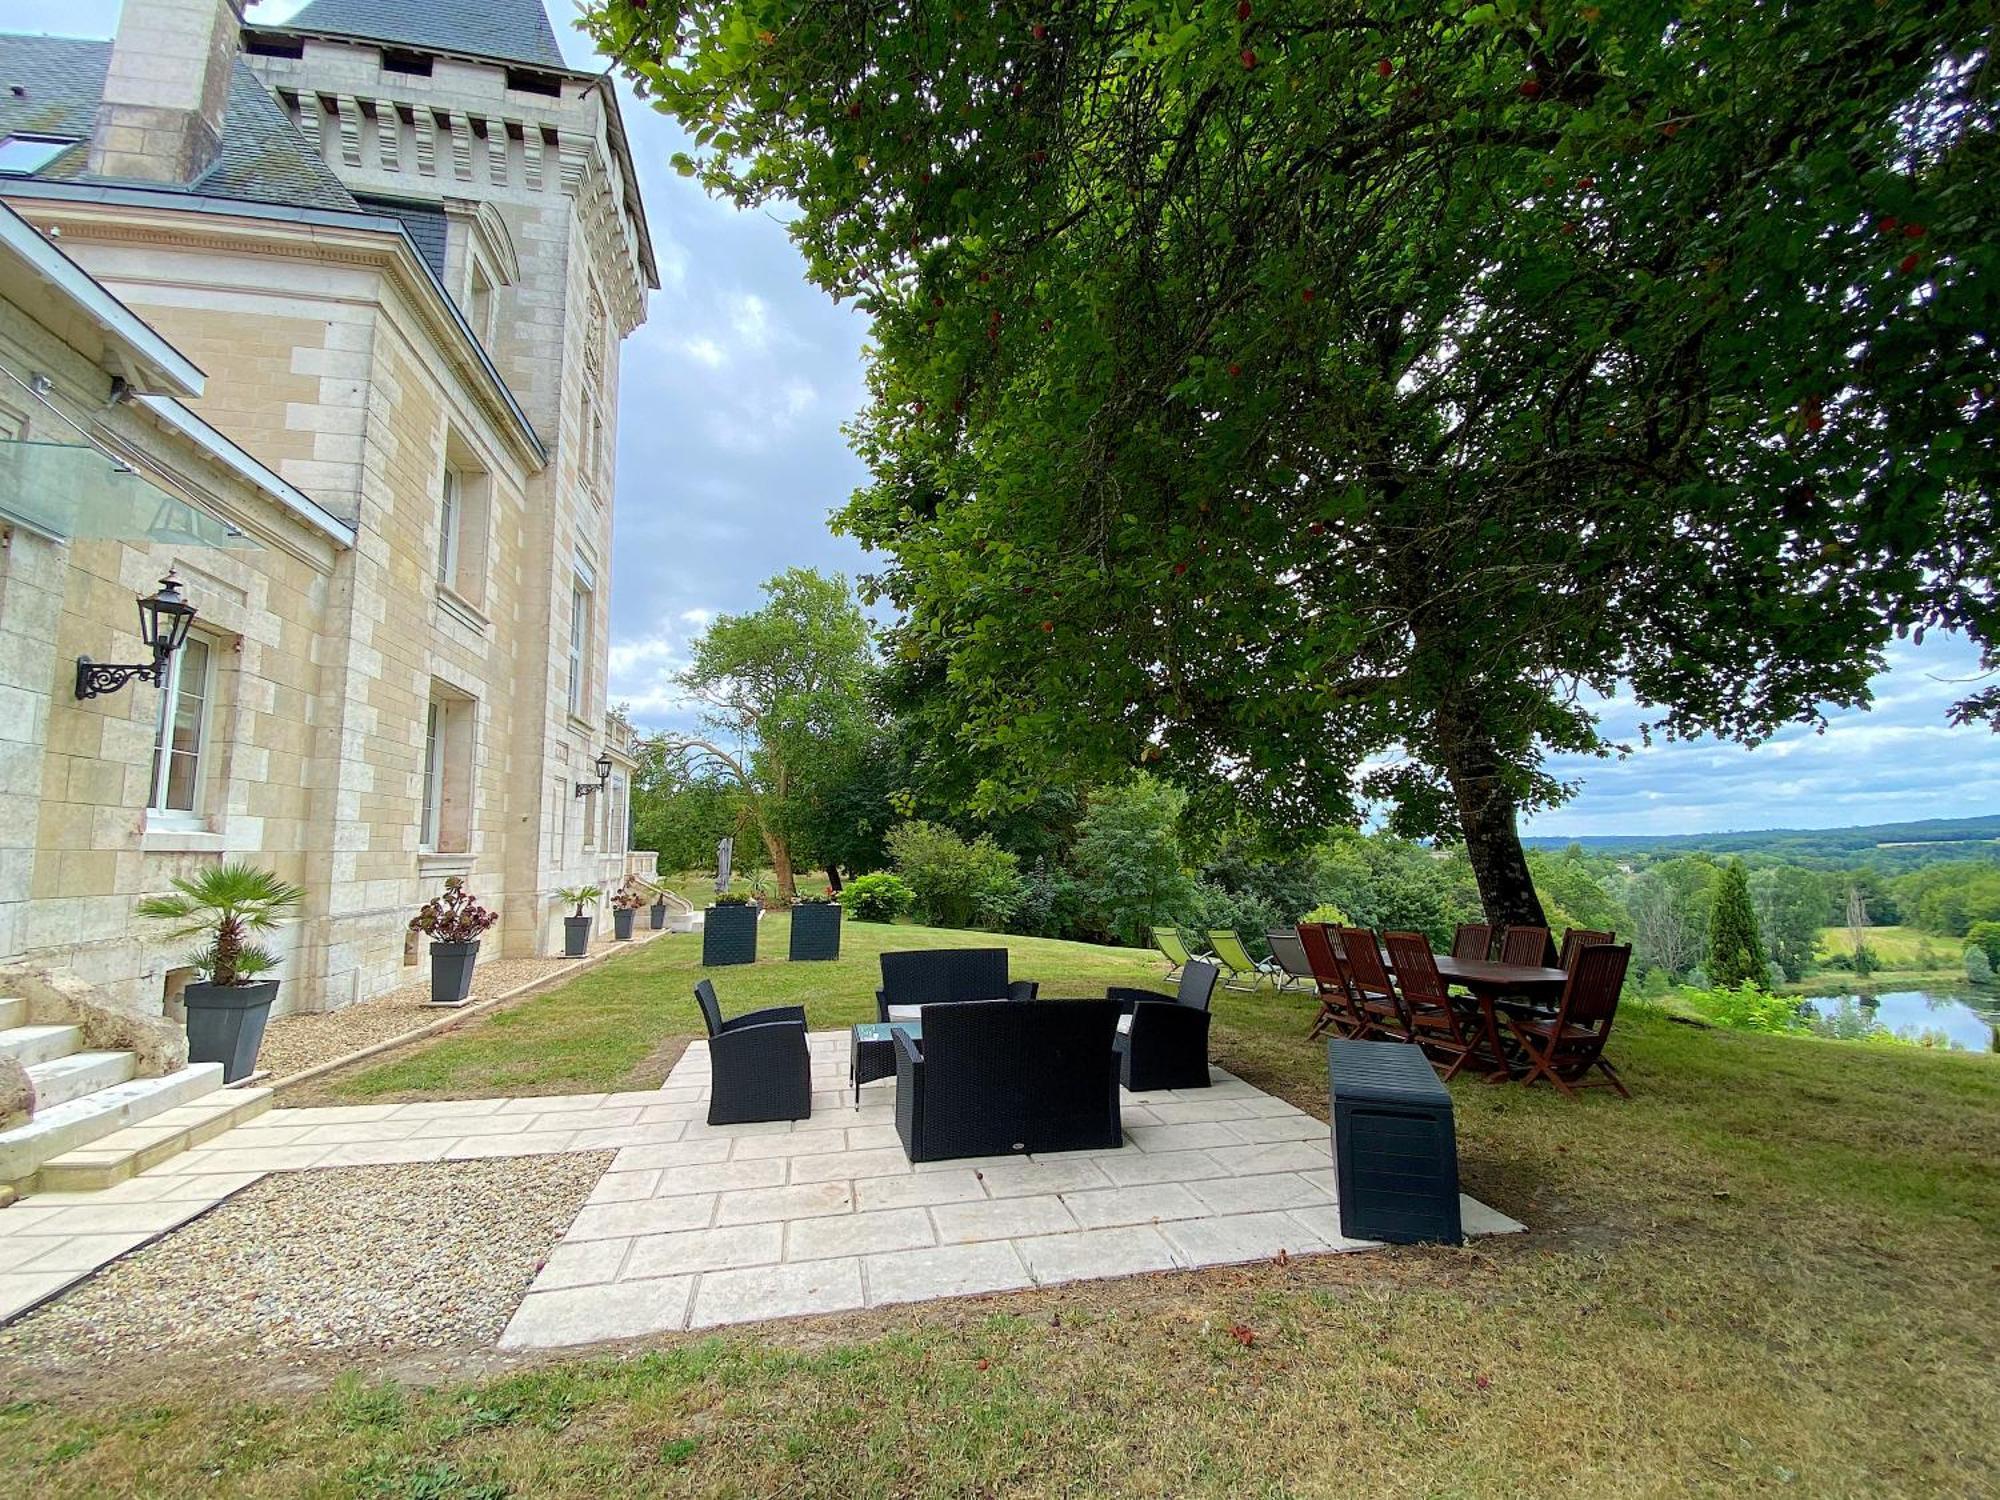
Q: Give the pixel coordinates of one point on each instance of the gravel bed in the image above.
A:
(423, 1257)
(297, 1042)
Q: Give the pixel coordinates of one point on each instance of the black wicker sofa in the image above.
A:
(932, 976)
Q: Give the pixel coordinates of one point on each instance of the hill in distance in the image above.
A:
(1923, 841)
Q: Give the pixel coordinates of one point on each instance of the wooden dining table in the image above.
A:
(1488, 981)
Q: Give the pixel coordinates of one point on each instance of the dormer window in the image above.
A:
(528, 81)
(416, 64)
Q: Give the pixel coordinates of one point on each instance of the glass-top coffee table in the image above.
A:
(872, 1052)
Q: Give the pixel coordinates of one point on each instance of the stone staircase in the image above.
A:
(95, 1122)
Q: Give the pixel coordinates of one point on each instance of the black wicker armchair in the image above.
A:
(759, 1068)
(990, 1080)
(1162, 1043)
(933, 976)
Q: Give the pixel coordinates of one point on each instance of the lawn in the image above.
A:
(1772, 1270)
(1895, 948)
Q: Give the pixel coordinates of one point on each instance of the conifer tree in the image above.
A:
(1735, 953)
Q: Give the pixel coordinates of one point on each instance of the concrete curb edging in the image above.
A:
(459, 1016)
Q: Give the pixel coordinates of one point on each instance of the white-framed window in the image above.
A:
(444, 814)
(451, 517)
(180, 741)
(579, 646)
(617, 815)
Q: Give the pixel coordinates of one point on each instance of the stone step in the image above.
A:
(62, 1079)
(13, 1013)
(66, 1127)
(29, 1045)
(126, 1153)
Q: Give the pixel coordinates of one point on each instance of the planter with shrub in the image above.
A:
(729, 932)
(228, 1007)
(625, 908)
(815, 929)
(454, 922)
(576, 926)
(658, 911)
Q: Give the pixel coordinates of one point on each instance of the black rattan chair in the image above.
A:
(935, 976)
(993, 1080)
(1163, 1043)
(759, 1068)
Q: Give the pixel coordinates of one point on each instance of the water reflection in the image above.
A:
(1964, 1021)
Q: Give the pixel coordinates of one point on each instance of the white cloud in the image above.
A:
(698, 618)
(705, 351)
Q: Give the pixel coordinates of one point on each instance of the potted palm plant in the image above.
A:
(576, 926)
(625, 906)
(729, 932)
(454, 921)
(222, 907)
(659, 908)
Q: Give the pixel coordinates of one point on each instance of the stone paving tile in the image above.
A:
(1179, 1113)
(1244, 1195)
(918, 1190)
(1135, 1167)
(289, 1135)
(588, 1117)
(816, 1143)
(1324, 1222)
(1325, 1179)
(17, 1250)
(1267, 1104)
(1293, 1127)
(701, 1130)
(1137, 1114)
(1133, 1205)
(586, 1314)
(328, 1114)
(608, 1221)
(1236, 1238)
(814, 1286)
(963, 1163)
(434, 1109)
(528, 1143)
(656, 1114)
(624, 1187)
(1009, 1218)
(21, 1290)
(460, 1127)
(1196, 1137)
(679, 1154)
(720, 1176)
(582, 1263)
(250, 1159)
(874, 1137)
(1477, 1218)
(118, 1218)
(809, 1200)
(1027, 1178)
(859, 1234)
(623, 1135)
(1278, 1156)
(342, 1134)
(383, 1153)
(949, 1271)
(887, 1161)
(706, 1250)
(1128, 1251)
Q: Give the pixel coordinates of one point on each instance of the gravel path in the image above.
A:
(432, 1256)
(295, 1043)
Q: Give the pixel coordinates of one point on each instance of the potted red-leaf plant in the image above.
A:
(454, 921)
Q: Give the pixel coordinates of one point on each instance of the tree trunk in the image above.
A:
(1486, 817)
(833, 879)
(781, 866)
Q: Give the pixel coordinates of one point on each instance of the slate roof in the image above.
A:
(504, 30)
(264, 158)
(425, 221)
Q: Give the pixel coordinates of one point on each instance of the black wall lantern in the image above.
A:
(586, 788)
(163, 625)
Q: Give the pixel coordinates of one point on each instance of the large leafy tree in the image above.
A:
(1322, 401)
(783, 696)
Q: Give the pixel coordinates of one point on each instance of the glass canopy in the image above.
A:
(72, 491)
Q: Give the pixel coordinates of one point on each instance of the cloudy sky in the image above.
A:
(730, 458)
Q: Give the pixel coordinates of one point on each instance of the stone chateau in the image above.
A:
(324, 316)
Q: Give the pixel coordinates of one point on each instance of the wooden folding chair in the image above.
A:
(1528, 946)
(1576, 940)
(1338, 1010)
(1436, 1023)
(1472, 940)
(1375, 995)
(1564, 1047)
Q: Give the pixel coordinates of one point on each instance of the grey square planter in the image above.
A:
(815, 932)
(225, 1024)
(621, 922)
(729, 936)
(451, 972)
(658, 912)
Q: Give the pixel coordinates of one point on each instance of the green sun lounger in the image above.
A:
(1174, 947)
(1239, 970)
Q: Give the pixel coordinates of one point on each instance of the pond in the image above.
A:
(1965, 1019)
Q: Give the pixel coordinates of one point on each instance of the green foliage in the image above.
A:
(955, 882)
(1327, 912)
(1948, 899)
(1735, 955)
(1128, 863)
(578, 897)
(1791, 907)
(1978, 967)
(1670, 905)
(1985, 935)
(222, 905)
(880, 897)
(1585, 344)
(1052, 902)
(1387, 882)
(1746, 1007)
(1572, 885)
(682, 815)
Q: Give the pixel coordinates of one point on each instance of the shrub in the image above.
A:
(1735, 953)
(1127, 858)
(1051, 903)
(1247, 913)
(1745, 1007)
(1327, 912)
(454, 917)
(1985, 935)
(1978, 967)
(955, 883)
(876, 898)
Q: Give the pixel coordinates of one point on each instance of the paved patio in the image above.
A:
(697, 1225)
